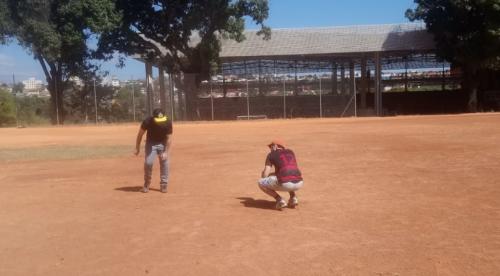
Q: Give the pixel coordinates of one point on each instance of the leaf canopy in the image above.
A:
(467, 32)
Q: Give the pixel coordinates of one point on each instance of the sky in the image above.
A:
(282, 14)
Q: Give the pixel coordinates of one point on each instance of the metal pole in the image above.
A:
(57, 100)
(161, 80)
(133, 98)
(172, 96)
(17, 111)
(284, 98)
(355, 98)
(149, 88)
(320, 100)
(443, 83)
(95, 103)
(378, 73)
(15, 99)
(260, 84)
(295, 81)
(248, 102)
(406, 74)
(334, 78)
(211, 99)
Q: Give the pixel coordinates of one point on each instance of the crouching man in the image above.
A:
(286, 176)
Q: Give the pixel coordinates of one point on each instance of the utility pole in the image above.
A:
(211, 98)
(133, 97)
(320, 99)
(95, 103)
(284, 97)
(15, 99)
(248, 102)
(57, 99)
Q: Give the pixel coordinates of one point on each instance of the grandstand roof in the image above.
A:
(330, 41)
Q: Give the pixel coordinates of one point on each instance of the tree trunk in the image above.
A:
(471, 86)
(191, 85)
(472, 103)
(56, 88)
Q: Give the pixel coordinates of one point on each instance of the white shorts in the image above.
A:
(272, 183)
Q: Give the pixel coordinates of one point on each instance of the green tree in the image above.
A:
(182, 35)
(124, 103)
(467, 34)
(18, 88)
(5, 22)
(82, 102)
(57, 33)
(33, 110)
(7, 108)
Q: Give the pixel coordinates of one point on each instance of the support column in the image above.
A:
(224, 89)
(334, 78)
(149, 89)
(295, 82)
(352, 78)
(364, 85)
(342, 79)
(260, 82)
(378, 80)
(171, 95)
(163, 94)
(406, 74)
(443, 83)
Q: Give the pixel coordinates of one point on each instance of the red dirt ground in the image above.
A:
(382, 196)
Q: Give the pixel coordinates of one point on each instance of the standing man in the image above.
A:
(158, 141)
(286, 176)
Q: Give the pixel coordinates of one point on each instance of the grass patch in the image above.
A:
(64, 152)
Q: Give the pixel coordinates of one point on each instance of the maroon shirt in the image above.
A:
(285, 165)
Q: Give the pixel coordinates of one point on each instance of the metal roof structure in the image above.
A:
(330, 41)
(343, 51)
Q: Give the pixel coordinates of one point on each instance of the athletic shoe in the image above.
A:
(293, 202)
(163, 188)
(145, 189)
(280, 204)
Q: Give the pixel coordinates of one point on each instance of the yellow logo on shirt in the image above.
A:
(161, 119)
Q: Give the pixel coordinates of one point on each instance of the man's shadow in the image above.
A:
(134, 189)
(257, 203)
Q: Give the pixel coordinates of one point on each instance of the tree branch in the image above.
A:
(155, 44)
(44, 67)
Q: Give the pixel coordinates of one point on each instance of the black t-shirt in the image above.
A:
(285, 165)
(156, 132)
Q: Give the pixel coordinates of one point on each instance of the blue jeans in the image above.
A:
(154, 151)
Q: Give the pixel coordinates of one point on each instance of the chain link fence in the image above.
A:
(306, 89)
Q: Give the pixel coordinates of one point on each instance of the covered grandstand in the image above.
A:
(321, 72)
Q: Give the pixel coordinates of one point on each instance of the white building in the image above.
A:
(111, 81)
(32, 84)
(115, 83)
(76, 81)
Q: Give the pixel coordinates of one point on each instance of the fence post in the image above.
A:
(320, 99)
(355, 98)
(211, 99)
(95, 103)
(133, 98)
(284, 98)
(248, 102)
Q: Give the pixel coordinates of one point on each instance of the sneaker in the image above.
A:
(293, 202)
(280, 204)
(163, 188)
(145, 189)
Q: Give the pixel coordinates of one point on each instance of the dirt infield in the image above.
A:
(382, 196)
